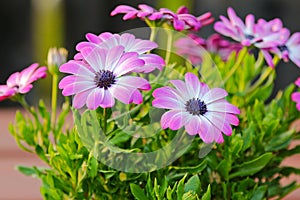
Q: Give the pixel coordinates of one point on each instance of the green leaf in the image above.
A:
(120, 137)
(137, 192)
(252, 167)
(190, 196)
(280, 141)
(207, 195)
(163, 187)
(191, 169)
(40, 152)
(28, 171)
(193, 184)
(180, 188)
(93, 167)
(259, 193)
(223, 168)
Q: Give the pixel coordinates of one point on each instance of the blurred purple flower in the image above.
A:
(192, 47)
(201, 110)
(263, 34)
(102, 77)
(21, 82)
(289, 50)
(181, 20)
(296, 95)
(130, 43)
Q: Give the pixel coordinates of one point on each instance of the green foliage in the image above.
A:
(248, 165)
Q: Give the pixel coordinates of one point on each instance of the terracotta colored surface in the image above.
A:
(15, 186)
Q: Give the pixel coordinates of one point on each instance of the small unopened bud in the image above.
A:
(56, 57)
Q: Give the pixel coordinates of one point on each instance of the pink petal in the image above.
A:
(152, 62)
(134, 82)
(108, 100)
(167, 97)
(128, 63)
(222, 106)
(165, 118)
(113, 56)
(178, 120)
(214, 95)
(143, 46)
(76, 68)
(192, 84)
(182, 90)
(193, 125)
(123, 93)
(122, 9)
(296, 96)
(13, 79)
(94, 99)
(77, 87)
(96, 58)
(80, 99)
(93, 38)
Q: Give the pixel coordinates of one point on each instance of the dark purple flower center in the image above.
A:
(195, 107)
(283, 48)
(104, 79)
(249, 37)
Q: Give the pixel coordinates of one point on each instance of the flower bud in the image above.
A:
(56, 57)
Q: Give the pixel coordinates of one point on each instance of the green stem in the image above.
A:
(169, 45)
(241, 57)
(54, 100)
(153, 33)
(264, 76)
(104, 120)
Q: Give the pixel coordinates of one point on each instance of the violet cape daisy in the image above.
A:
(130, 43)
(200, 110)
(103, 77)
(296, 95)
(21, 82)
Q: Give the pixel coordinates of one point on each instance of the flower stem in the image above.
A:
(54, 100)
(264, 76)
(169, 45)
(153, 33)
(241, 57)
(104, 120)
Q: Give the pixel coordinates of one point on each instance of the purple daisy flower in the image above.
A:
(181, 20)
(200, 110)
(23, 80)
(102, 77)
(296, 95)
(130, 43)
(263, 35)
(132, 13)
(290, 49)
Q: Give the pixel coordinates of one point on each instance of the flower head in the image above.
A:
(21, 82)
(181, 20)
(289, 50)
(263, 34)
(130, 43)
(102, 77)
(200, 110)
(296, 95)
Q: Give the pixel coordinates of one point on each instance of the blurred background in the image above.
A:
(30, 27)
